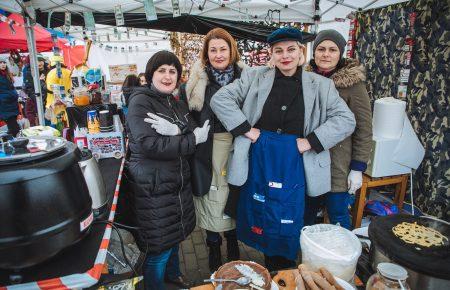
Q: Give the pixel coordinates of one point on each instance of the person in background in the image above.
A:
(142, 79)
(9, 108)
(349, 157)
(62, 78)
(130, 82)
(14, 63)
(157, 169)
(218, 66)
(284, 121)
(28, 87)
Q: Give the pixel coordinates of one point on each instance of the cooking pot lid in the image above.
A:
(37, 147)
(433, 261)
(392, 271)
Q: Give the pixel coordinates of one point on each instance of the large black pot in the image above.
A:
(44, 207)
(428, 268)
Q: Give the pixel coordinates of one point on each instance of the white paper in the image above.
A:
(409, 151)
(388, 117)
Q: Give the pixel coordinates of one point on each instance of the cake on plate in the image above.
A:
(236, 269)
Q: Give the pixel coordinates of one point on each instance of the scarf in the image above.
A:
(222, 77)
(327, 74)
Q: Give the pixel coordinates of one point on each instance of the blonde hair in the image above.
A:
(220, 33)
(300, 45)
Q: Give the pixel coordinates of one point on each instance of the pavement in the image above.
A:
(194, 256)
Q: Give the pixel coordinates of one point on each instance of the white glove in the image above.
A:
(162, 126)
(354, 181)
(201, 133)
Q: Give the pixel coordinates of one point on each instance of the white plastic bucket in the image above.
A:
(330, 246)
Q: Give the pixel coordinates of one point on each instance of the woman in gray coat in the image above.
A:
(284, 121)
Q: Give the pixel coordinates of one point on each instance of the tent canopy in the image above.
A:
(239, 10)
(185, 23)
(14, 37)
(217, 13)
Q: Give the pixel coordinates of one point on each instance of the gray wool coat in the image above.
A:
(326, 114)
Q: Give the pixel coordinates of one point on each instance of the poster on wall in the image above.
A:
(118, 73)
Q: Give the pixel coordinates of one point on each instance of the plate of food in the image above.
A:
(258, 276)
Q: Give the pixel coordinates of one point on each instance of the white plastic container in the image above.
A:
(330, 246)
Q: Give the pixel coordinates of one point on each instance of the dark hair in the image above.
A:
(141, 75)
(131, 81)
(161, 58)
(9, 75)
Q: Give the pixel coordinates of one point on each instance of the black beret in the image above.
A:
(285, 34)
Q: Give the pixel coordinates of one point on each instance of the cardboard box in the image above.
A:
(381, 160)
(106, 145)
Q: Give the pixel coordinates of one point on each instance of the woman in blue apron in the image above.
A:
(284, 120)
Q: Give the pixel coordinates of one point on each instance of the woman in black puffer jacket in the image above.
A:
(158, 171)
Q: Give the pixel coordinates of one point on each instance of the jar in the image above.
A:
(96, 97)
(81, 97)
(389, 276)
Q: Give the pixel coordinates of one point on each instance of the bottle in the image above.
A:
(389, 276)
(59, 123)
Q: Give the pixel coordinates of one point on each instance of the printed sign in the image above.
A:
(118, 73)
(150, 11)
(89, 21)
(119, 16)
(404, 75)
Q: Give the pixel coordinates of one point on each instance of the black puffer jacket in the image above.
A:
(158, 172)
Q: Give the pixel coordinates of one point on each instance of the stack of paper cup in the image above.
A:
(106, 121)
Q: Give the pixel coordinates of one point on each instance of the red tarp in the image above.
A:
(9, 41)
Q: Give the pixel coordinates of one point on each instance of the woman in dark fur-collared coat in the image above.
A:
(349, 157)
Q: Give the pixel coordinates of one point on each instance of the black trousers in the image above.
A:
(231, 206)
(13, 126)
(275, 263)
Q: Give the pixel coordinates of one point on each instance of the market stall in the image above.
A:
(92, 109)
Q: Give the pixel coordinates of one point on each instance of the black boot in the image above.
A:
(232, 245)
(215, 257)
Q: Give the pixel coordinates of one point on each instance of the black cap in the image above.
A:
(285, 34)
(334, 36)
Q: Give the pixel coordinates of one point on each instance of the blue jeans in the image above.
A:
(157, 266)
(337, 207)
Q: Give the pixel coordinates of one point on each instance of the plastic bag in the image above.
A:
(330, 246)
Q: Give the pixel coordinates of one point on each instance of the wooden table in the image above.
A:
(400, 182)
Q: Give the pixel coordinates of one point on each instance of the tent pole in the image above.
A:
(34, 67)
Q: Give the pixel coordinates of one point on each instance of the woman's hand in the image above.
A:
(354, 181)
(253, 134)
(162, 126)
(303, 145)
(201, 133)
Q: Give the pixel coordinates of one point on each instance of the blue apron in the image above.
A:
(272, 201)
